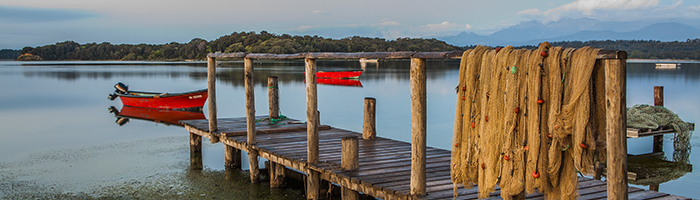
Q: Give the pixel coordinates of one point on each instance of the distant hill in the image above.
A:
(9, 54)
(584, 29)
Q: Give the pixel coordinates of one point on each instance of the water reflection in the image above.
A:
(161, 116)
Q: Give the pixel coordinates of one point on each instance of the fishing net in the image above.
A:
(653, 117)
(526, 120)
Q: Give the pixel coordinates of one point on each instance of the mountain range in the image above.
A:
(583, 29)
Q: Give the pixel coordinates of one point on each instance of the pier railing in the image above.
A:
(612, 61)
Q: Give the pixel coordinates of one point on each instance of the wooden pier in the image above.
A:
(370, 164)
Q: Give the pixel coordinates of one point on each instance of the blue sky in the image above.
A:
(41, 22)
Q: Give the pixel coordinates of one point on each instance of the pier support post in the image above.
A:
(418, 127)
(350, 157)
(312, 120)
(211, 92)
(369, 130)
(196, 152)
(616, 128)
(277, 175)
(658, 145)
(273, 97)
(232, 157)
(250, 121)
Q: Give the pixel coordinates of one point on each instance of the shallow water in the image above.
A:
(60, 141)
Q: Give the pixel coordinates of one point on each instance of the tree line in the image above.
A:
(264, 42)
(9, 54)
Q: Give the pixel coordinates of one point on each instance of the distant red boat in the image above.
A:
(183, 100)
(165, 116)
(339, 74)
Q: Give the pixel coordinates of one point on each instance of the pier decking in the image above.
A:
(384, 164)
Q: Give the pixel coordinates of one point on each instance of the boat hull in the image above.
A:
(185, 100)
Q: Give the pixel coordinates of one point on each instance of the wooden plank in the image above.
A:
(645, 194)
(603, 54)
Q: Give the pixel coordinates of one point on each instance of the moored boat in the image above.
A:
(161, 100)
(353, 74)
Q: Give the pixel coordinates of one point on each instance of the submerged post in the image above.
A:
(369, 130)
(313, 182)
(211, 92)
(615, 98)
(250, 120)
(418, 127)
(273, 97)
(658, 145)
(232, 157)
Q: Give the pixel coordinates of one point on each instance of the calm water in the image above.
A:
(60, 141)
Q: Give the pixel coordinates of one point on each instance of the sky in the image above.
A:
(42, 22)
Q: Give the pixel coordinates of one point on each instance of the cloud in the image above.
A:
(611, 10)
(468, 26)
(320, 12)
(387, 23)
(304, 28)
(33, 15)
(440, 27)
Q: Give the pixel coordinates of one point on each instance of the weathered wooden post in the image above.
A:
(616, 126)
(369, 130)
(658, 101)
(350, 159)
(195, 152)
(232, 157)
(211, 92)
(273, 97)
(313, 181)
(250, 120)
(418, 127)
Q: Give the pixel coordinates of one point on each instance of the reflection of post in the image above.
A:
(250, 121)
(195, 152)
(418, 126)
(658, 101)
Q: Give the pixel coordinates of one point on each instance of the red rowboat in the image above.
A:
(183, 100)
(338, 74)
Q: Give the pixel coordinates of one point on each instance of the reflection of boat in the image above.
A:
(165, 116)
(340, 82)
(338, 74)
(184, 100)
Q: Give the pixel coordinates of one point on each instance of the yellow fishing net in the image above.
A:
(527, 120)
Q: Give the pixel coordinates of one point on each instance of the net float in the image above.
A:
(584, 145)
(517, 110)
(540, 101)
(536, 174)
(506, 157)
(544, 54)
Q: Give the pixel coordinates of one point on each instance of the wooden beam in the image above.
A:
(603, 54)
(615, 96)
(273, 97)
(313, 182)
(418, 126)
(211, 92)
(232, 157)
(369, 130)
(250, 120)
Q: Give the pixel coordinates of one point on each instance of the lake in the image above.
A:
(59, 139)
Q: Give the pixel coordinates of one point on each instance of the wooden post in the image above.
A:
(250, 120)
(350, 157)
(232, 157)
(615, 97)
(312, 120)
(195, 152)
(350, 153)
(418, 127)
(369, 130)
(211, 92)
(273, 97)
(277, 175)
(658, 145)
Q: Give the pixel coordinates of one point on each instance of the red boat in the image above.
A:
(183, 100)
(338, 74)
(165, 116)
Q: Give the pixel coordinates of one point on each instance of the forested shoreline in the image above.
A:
(264, 42)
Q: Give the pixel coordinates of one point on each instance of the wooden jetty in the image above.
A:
(376, 166)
